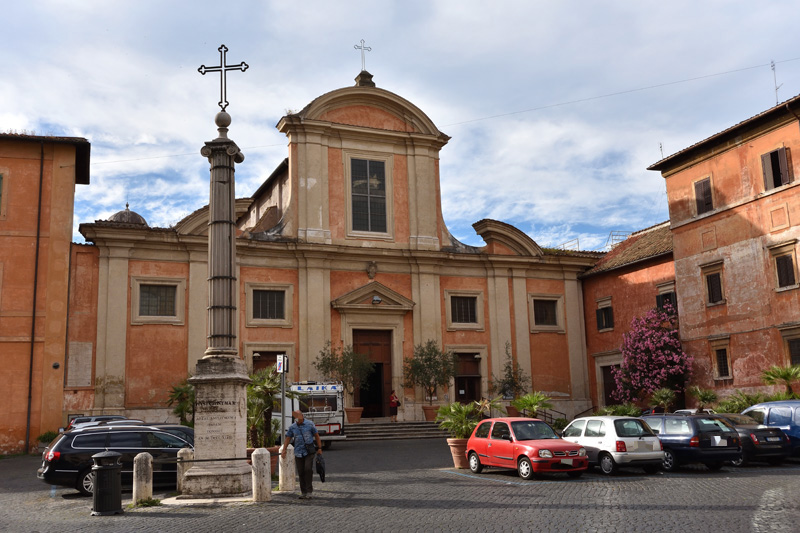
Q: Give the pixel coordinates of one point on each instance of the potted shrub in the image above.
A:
(458, 420)
(512, 382)
(429, 369)
(349, 367)
(45, 439)
(532, 402)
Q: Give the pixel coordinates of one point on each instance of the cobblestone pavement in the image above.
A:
(410, 485)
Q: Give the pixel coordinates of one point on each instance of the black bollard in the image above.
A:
(107, 484)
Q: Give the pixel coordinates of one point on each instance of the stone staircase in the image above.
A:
(382, 429)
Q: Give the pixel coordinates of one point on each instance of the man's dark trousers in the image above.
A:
(305, 472)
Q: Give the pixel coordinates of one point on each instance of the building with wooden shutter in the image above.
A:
(734, 206)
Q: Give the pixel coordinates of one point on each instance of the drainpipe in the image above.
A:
(35, 287)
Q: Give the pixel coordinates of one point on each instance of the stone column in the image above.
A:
(220, 419)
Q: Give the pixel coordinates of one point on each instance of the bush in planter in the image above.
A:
(458, 419)
(532, 402)
(513, 382)
(47, 437)
(739, 401)
(182, 396)
(626, 409)
(345, 365)
(430, 368)
(663, 398)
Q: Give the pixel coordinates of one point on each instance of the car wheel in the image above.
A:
(607, 464)
(650, 469)
(525, 468)
(576, 474)
(741, 461)
(86, 482)
(475, 465)
(669, 464)
(714, 466)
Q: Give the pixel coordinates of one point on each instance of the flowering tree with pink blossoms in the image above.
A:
(652, 357)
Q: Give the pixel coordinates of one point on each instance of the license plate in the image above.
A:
(720, 441)
(567, 462)
(774, 439)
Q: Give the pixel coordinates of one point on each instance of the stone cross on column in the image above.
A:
(222, 69)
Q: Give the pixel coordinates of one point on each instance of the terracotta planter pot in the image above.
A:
(512, 411)
(430, 412)
(458, 448)
(353, 414)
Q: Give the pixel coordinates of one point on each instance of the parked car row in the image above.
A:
(67, 461)
(767, 432)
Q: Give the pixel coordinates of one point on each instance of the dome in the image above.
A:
(128, 217)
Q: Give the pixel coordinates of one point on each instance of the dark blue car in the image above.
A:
(784, 415)
(706, 439)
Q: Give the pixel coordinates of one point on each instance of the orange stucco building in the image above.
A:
(734, 205)
(633, 277)
(344, 242)
(38, 176)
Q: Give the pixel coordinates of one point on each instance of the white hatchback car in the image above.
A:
(612, 442)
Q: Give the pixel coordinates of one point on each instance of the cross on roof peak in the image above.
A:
(363, 49)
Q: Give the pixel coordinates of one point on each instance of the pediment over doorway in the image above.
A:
(373, 297)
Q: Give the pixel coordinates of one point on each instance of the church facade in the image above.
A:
(343, 243)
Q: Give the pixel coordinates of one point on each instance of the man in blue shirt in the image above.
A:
(302, 433)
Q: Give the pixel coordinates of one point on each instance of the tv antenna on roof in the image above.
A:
(775, 81)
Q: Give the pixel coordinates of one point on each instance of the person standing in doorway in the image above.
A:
(394, 401)
(304, 436)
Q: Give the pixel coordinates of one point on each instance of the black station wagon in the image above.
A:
(67, 461)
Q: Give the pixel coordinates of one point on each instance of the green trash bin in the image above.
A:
(107, 492)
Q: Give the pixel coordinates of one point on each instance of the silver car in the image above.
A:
(612, 442)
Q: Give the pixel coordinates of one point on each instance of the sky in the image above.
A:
(555, 108)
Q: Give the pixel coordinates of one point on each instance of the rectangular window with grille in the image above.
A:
(702, 196)
(544, 312)
(368, 189)
(269, 305)
(157, 300)
(785, 268)
(794, 351)
(463, 309)
(723, 370)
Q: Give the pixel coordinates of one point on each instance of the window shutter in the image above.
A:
(794, 351)
(714, 288)
(660, 301)
(702, 193)
(599, 314)
(785, 267)
(610, 323)
(766, 169)
(784, 166)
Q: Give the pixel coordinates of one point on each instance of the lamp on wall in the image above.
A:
(376, 300)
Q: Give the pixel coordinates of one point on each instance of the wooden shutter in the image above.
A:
(785, 267)
(702, 194)
(784, 166)
(766, 169)
(794, 351)
(714, 288)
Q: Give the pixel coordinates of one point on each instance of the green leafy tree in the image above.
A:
(345, 365)
(663, 398)
(182, 401)
(782, 375)
(532, 402)
(704, 397)
(458, 419)
(429, 369)
(513, 382)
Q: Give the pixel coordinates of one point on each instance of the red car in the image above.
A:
(527, 445)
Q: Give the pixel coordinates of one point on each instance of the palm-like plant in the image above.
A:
(484, 406)
(458, 419)
(532, 402)
(626, 409)
(704, 397)
(262, 390)
(782, 375)
(739, 401)
(663, 398)
(182, 396)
